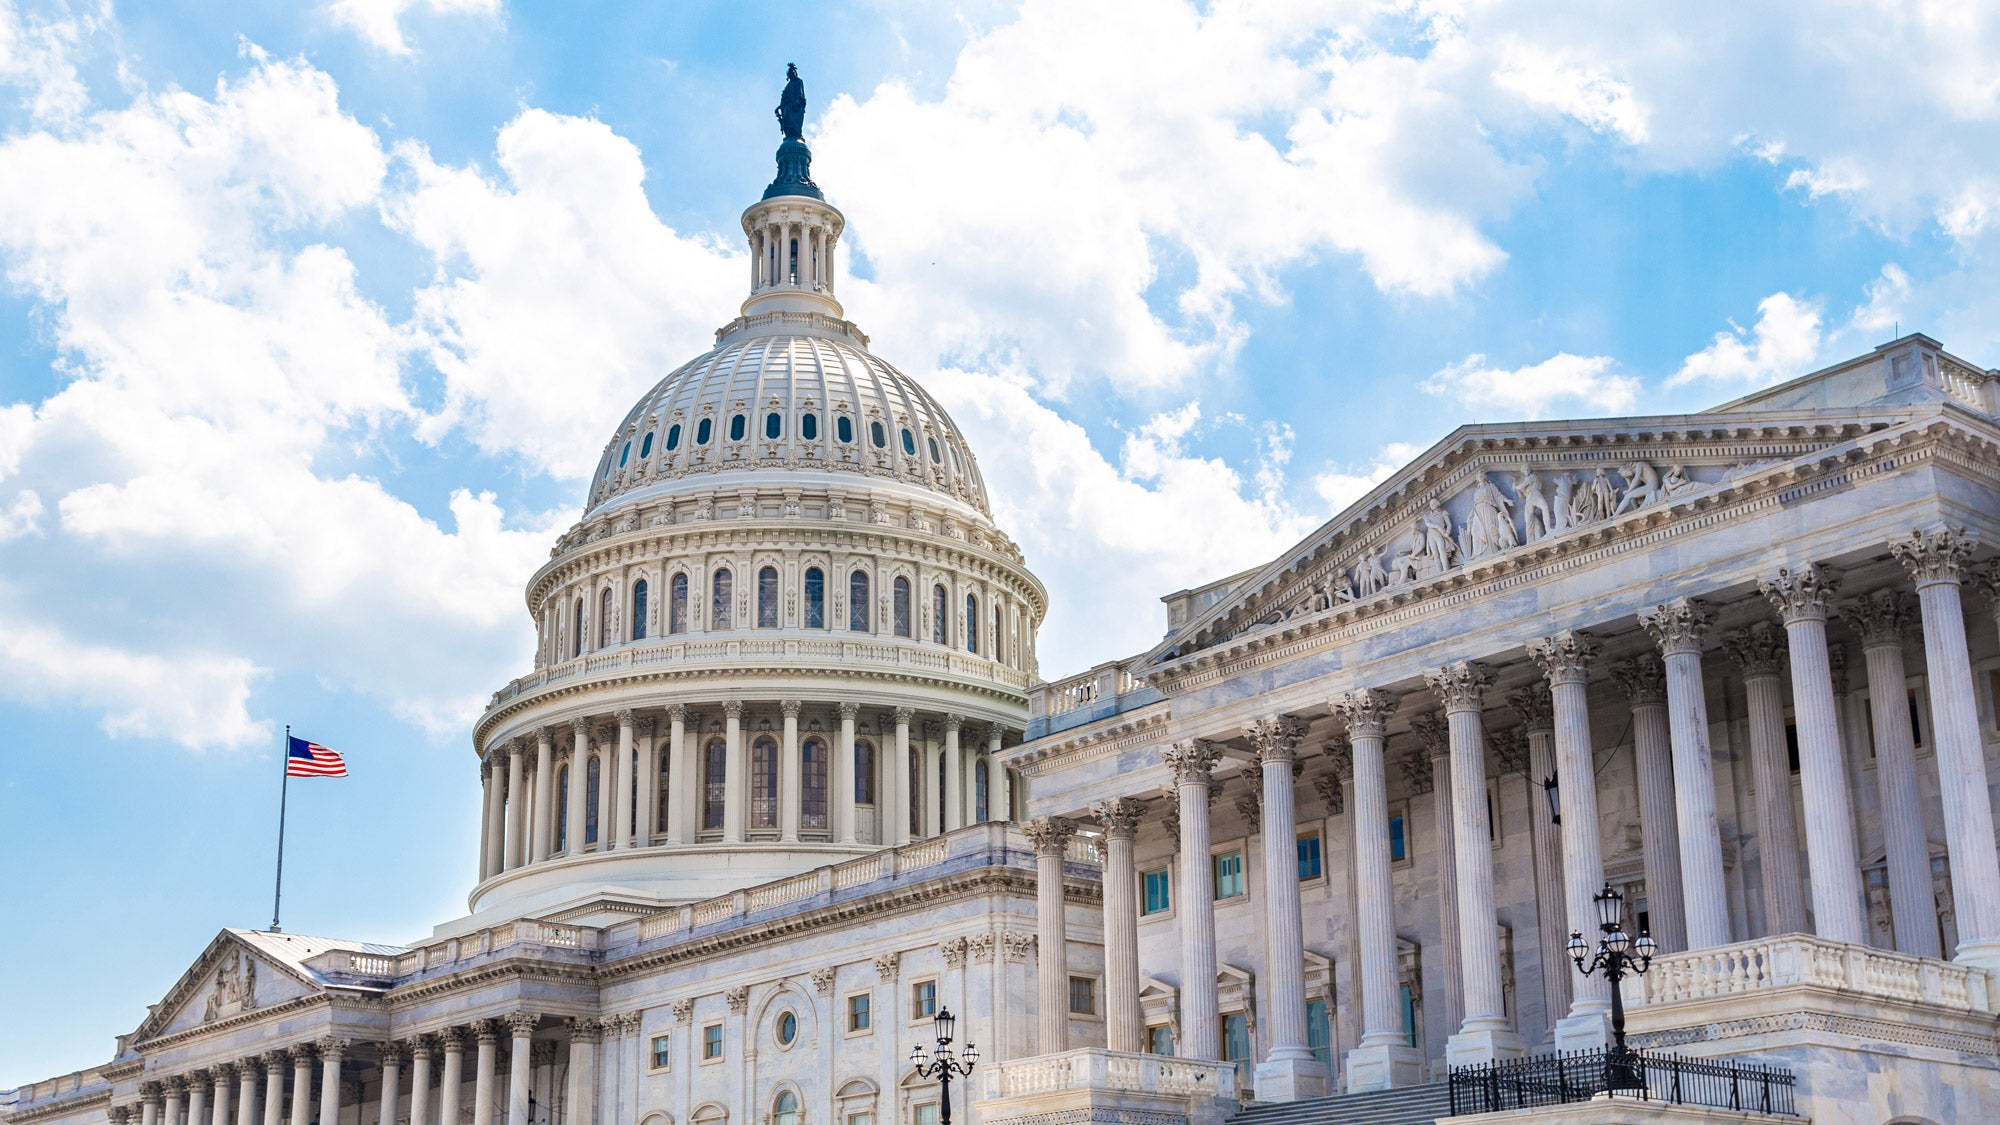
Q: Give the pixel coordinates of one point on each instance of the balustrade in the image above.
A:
(1799, 959)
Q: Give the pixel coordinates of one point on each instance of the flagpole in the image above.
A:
(284, 784)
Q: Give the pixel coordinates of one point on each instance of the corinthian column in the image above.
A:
(544, 833)
(579, 788)
(1936, 559)
(1434, 741)
(1125, 1028)
(1883, 620)
(790, 783)
(519, 1067)
(620, 777)
(1565, 659)
(197, 1088)
(733, 782)
(274, 1088)
(420, 1080)
(681, 784)
(954, 775)
(1534, 705)
(899, 782)
(1680, 627)
(582, 1094)
(246, 1092)
(492, 830)
(1201, 1032)
(1760, 653)
(1383, 1058)
(302, 1082)
(487, 1032)
(331, 1053)
(1643, 679)
(1050, 836)
(176, 1090)
(1485, 1034)
(1289, 1070)
(392, 1082)
(451, 1082)
(841, 800)
(149, 1103)
(224, 1077)
(1800, 596)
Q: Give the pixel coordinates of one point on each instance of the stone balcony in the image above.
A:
(1091, 1084)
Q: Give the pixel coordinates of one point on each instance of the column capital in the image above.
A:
(423, 1046)
(790, 708)
(682, 1011)
(392, 1052)
(1331, 791)
(149, 1091)
(732, 708)
(905, 715)
(451, 1039)
(301, 1053)
(176, 1085)
(514, 747)
(1679, 626)
(1366, 711)
(952, 723)
(677, 712)
(1340, 751)
(119, 1114)
(1276, 738)
(486, 1030)
(1433, 735)
(583, 1029)
(332, 1047)
(626, 718)
(1510, 749)
(222, 1073)
(197, 1077)
(1120, 817)
(738, 999)
(1460, 685)
(1050, 835)
(1757, 651)
(849, 710)
(579, 730)
(274, 1061)
(1801, 593)
(1535, 705)
(1643, 679)
(1935, 555)
(823, 980)
(1882, 619)
(1563, 657)
(1417, 773)
(545, 736)
(523, 1023)
(1191, 760)
(887, 966)
(644, 725)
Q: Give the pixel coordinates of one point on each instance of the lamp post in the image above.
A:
(1617, 955)
(1552, 789)
(942, 1063)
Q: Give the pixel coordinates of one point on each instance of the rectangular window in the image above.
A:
(1319, 1032)
(711, 1041)
(1159, 890)
(1082, 996)
(1309, 861)
(1159, 1040)
(923, 1000)
(661, 1057)
(926, 1114)
(1228, 875)
(1409, 1015)
(1399, 837)
(1236, 1037)
(860, 1119)
(858, 1012)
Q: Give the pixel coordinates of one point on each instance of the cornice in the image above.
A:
(63, 1107)
(1113, 734)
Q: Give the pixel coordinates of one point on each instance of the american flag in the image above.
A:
(310, 759)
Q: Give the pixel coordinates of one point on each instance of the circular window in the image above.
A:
(909, 444)
(704, 431)
(843, 429)
(673, 437)
(736, 428)
(809, 427)
(876, 432)
(788, 1029)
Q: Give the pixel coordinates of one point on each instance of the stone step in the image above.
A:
(1408, 1105)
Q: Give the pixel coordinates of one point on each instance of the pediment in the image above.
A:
(1490, 495)
(231, 978)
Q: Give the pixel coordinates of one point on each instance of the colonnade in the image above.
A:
(786, 772)
(1684, 868)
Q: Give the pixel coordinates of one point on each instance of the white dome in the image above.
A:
(787, 391)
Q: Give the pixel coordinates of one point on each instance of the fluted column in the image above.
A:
(273, 1065)
(487, 1034)
(519, 1066)
(1759, 652)
(543, 834)
(332, 1052)
(1937, 559)
(1680, 627)
(392, 1082)
(514, 808)
(954, 775)
(223, 1078)
(1434, 742)
(681, 782)
(840, 802)
(1125, 1024)
(737, 777)
(492, 830)
(149, 1103)
(1883, 621)
(302, 1082)
(1050, 836)
(451, 1080)
(1485, 1034)
(1564, 659)
(176, 1095)
(582, 1095)
(579, 786)
(1800, 596)
(789, 788)
(1535, 706)
(1644, 682)
(420, 1080)
(197, 1087)
(1383, 1058)
(620, 778)
(1201, 1021)
(935, 783)
(606, 744)
(647, 814)
(1289, 1070)
(999, 783)
(246, 1092)
(899, 780)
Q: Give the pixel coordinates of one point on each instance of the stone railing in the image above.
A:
(1093, 1068)
(357, 963)
(1965, 384)
(1102, 684)
(1800, 959)
(521, 933)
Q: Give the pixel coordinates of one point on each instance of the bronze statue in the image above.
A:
(791, 111)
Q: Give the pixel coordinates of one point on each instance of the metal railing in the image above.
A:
(1578, 1076)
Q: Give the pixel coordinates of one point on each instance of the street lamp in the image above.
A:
(1617, 955)
(1553, 790)
(942, 1063)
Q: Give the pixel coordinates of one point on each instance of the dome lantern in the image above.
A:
(792, 230)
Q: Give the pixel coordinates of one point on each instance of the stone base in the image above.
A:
(1382, 1066)
(1591, 1032)
(1606, 1110)
(1477, 1046)
(1290, 1080)
(1985, 954)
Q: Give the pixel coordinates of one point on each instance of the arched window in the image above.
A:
(809, 427)
(971, 623)
(979, 783)
(785, 1111)
(576, 632)
(843, 430)
(646, 446)
(815, 598)
(944, 795)
(900, 609)
(738, 426)
(639, 610)
(812, 779)
(673, 437)
(858, 614)
(661, 801)
(590, 790)
(704, 431)
(562, 808)
(767, 598)
(720, 615)
(940, 617)
(915, 784)
(864, 772)
(677, 604)
(605, 638)
(714, 782)
(764, 782)
(999, 636)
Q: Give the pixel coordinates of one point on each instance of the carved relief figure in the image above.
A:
(1436, 540)
(1603, 497)
(1561, 505)
(1490, 528)
(1677, 481)
(1535, 515)
(1370, 575)
(1642, 487)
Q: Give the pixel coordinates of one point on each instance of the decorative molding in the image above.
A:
(1191, 760)
(1643, 679)
(1366, 712)
(1275, 738)
(1049, 835)
(1935, 555)
(1460, 685)
(1801, 593)
(1758, 650)
(887, 966)
(1679, 627)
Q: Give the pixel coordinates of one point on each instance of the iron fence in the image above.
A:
(1577, 1076)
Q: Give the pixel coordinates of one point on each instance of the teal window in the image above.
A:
(843, 429)
(774, 424)
(1319, 1033)
(1399, 838)
(624, 454)
(936, 457)
(1409, 1016)
(1159, 891)
(1159, 1040)
(646, 447)
(1236, 1037)
(788, 1029)
(704, 431)
(909, 442)
(1309, 861)
(673, 437)
(809, 427)
(1229, 875)
(878, 435)
(738, 426)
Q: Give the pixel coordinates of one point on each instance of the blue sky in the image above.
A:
(315, 315)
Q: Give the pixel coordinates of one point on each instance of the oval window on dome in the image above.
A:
(737, 427)
(843, 429)
(624, 454)
(673, 437)
(646, 447)
(704, 431)
(773, 425)
(936, 457)
(909, 443)
(809, 427)
(876, 432)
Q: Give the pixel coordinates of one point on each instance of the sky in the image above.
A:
(315, 316)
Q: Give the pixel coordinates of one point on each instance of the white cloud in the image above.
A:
(1574, 87)
(21, 515)
(1782, 344)
(380, 22)
(1563, 382)
(38, 55)
(1341, 486)
(1884, 306)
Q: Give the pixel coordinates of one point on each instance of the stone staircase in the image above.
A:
(1405, 1105)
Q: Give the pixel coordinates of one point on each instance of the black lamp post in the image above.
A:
(1617, 955)
(942, 1064)
(1553, 789)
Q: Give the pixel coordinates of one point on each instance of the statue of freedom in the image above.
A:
(791, 111)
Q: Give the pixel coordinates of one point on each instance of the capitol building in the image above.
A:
(786, 780)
